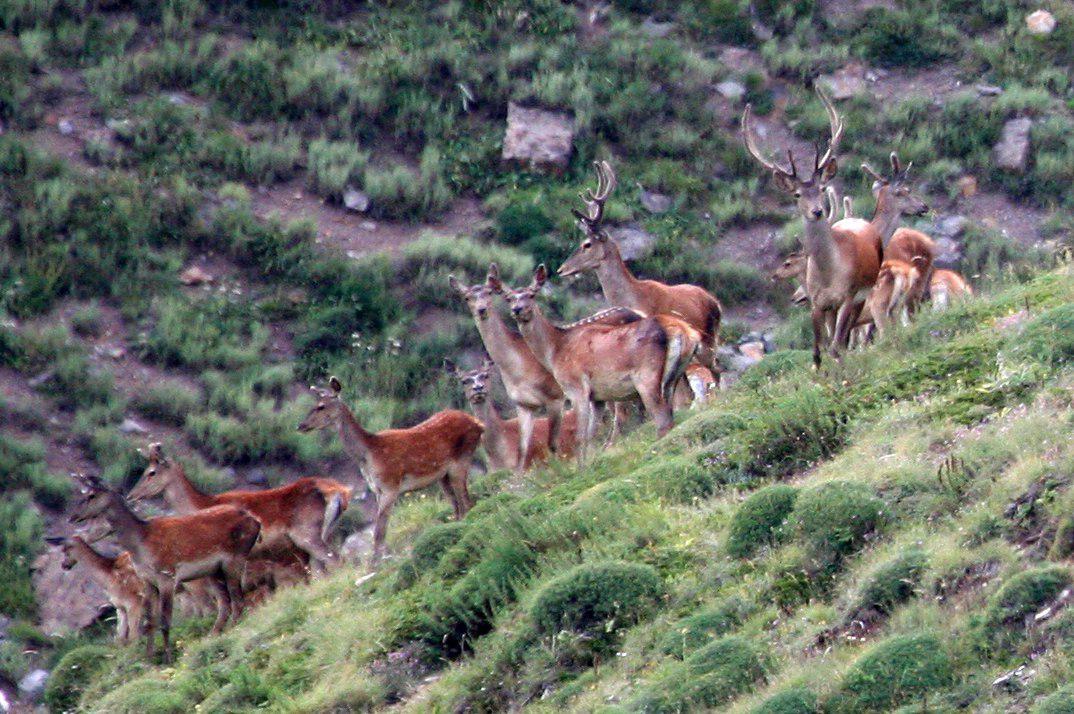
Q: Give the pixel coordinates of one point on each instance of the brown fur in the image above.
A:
(117, 577)
(947, 285)
(888, 298)
(916, 248)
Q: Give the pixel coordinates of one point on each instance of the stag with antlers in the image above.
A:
(841, 265)
(693, 305)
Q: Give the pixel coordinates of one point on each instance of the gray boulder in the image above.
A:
(539, 138)
(32, 686)
(1012, 151)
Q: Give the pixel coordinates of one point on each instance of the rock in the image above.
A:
(195, 275)
(730, 89)
(1040, 22)
(356, 546)
(538, 138)
(33, 684)
(130, 426)
(1012, 150)
(65, 127)
(178, 99)
(368, 225)
(633, 242)
(116, 352)
(652, 28)
(948, 253)
(846, 82)
(355, 200)
(989, 90)
(257, 477)
(40, 379)
(653, 202)
(739, 59)
(5, 623)
(967, 186)
(952, 227)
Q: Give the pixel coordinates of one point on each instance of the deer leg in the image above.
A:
(526, 418)
(458, 479)
(122, 625)
(384, 509)
(844, 319)
(658, 408)
(818, 318)
(232, 576)
(223, 603)
(152, 601)
(555, 421)
(167, 600)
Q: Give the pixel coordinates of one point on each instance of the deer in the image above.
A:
(793, 267)
(889, 295)
(702, 384)
(599, 253)
(396, 461)
(213, 543)
(597, 361)
(947, 286)
(299, 516)
(502, 437)
(530, 386)
(841, 264)
(116, 576)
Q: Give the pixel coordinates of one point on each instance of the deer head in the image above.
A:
(523, 301)
(475, 383)
(479, 298)
(94, 501)
(594, 246)
(156, 475)
(67, 549)
(808, 192)
(896, 187)
(326, 411)
(791, 267)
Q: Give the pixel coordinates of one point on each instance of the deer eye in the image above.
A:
(587, 245)
(797, 194)
(152, 472)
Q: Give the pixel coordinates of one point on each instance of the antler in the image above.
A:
(751, 146)
(594, 201)
(836, 127)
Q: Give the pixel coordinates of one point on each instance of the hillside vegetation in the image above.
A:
(868, 537)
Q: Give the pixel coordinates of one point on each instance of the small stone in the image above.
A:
(40, 379)
(1040, 22)
(846, 82)
(355, 200)
(130, 426)
(539, 138)
(953, 227)
(356, 546)
(194, 275)
(633, 241)
(1012, 150)
(989, 90)
(967, 186)
(178, 99)
(368, 225)
(257, 477)
(33, 684)
(654, 29)
(354, 254)
(65, 127)
(118, 125)
(116, 353)
(653, 202)
(730, 89)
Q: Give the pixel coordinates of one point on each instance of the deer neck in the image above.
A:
(818, 244)
(130, 530)
(357, 442)
(886, 216)
(616, 280)
(544, 338)
(502, 343)
(100, 566)
(495, 437)
(183, 495)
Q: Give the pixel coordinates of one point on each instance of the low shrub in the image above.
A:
(597, 599)
(708, 678)
(20, 540)
(891, 583)
(144, 696)
(520, 221)
(836, 517)
(87, 321)
(774, 366)
(897, 671)
(1058, 702)
(1021, 596)
(72, 673)
(429, 547)
(333, 165)
(701, 628)
(760, 520)
(1047, 338)
(168, 401)
(796, 700)
(904, 38)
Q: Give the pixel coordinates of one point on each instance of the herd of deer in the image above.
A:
(656, 344)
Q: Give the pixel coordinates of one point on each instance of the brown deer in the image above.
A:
(598, 252)
(116, 576)
(395, 461)
(702, 384)
(947, 286)
(530, 386)
(213, 543)
(887, 300)
(298, 516)
(597, 361)
(793, 267)
(895, 199)
(502, 437)
(841, 264)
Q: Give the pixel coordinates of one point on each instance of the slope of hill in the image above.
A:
(894, 532)
(177, 264)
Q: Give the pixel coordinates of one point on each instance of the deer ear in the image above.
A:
(335, 384)
(487, 364)
(783, 181)
(55, 540)
(829, 170)
(456, 285)
(540, 276)
(493, 278)
(156, 451)
(895, 168)
(450, 368)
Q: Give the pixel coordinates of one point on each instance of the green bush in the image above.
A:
(701, 628)
(169, 402)
(904, 38)
(87, 321)
(774, 366)
(897, 671)
(760, 519)
(1047, 338)
(708, 678)
(333, 165)
(836, 517)
(22, 461)
(144, 696)
(1058, 702)
(891, 583)
(71, 675)
(211, 332)
(14, 661)
(519, 221)
(20, 540)
(429, 547)
(1022, 595)
(597, 599)
(796, 700)
(75, 382)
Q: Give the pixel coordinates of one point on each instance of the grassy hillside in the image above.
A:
(894, 532)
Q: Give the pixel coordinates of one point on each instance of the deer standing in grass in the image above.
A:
(888, 298)
(841, 264)
(395, 461)
(946, 286)
(116, 576)
(598, 361)
(502, 437)
(598, 252)
(213, 543)
(299, 516)
(530, 386)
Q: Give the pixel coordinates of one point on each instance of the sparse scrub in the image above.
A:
(334, 165)
(796, 700)
(760, 520)
(168, 402)
(835, 518)
(898, 670)
(71, 675)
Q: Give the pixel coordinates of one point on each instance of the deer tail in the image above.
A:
(898, 293)
(334, 506)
